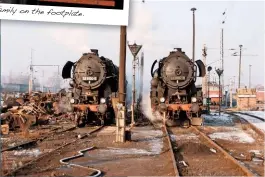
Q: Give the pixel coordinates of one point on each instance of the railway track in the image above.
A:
(171, 151)
(49, 154)
(196, 154)
(250, 115)
(34, 141)
(255, 128)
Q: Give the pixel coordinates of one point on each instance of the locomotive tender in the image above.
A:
(94, 87)
(173, 90)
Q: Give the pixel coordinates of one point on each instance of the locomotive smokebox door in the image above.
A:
(177, 72)
(90, 72)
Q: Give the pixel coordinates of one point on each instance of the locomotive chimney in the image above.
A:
(95, 51)
(179, 49)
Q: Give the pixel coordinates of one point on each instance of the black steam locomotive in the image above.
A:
(94, 88)
(173, 90)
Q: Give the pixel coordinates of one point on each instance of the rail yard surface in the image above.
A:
(226, 145)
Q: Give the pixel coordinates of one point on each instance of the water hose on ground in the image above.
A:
(80, 154)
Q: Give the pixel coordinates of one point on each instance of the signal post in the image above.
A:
(134, 48)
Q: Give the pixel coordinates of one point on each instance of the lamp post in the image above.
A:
(239, 70)
(193, 38)
(208, 99)
(219, 72)
(249, 86)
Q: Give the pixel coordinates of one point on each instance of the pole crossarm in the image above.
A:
(50, 65)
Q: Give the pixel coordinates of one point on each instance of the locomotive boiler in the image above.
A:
(173, 90)
(94, 87)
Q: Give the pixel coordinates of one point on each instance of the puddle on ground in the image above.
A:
(216, 120)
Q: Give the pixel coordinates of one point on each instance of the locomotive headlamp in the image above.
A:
(162, 99)
(193, 99)
(72, 101)
(102, 100)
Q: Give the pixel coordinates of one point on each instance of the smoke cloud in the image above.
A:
(156, 118)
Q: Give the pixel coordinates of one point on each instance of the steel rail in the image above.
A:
(172, 155)
(226, 154)
(256, 129)
(13, 172)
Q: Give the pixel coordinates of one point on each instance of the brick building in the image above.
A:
(260, 96)
(246, 99)
(213, 92)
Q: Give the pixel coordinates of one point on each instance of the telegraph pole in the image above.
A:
(208, 99)
(219, 72)
(231, 92)
(141, 75)
(239, 69)
(31, 74)
(135, 50)
(249, 86)
(204, 79)
(120, 120)
(222, 58)
(222, 52)
(193, 38)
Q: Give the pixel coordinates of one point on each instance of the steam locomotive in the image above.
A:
(173, 91)
(94, 88)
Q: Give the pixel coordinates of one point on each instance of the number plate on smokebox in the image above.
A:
(178, 78)
(89, 78)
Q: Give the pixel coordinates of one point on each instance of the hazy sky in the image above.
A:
(158, 25)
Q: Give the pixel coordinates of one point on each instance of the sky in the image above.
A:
(158, 25)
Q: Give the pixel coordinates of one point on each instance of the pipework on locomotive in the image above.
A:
(173, 91)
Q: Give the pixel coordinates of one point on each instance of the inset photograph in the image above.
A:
(101, 4)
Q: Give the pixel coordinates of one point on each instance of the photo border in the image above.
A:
(98, 16)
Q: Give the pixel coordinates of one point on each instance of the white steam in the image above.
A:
(155, 117)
